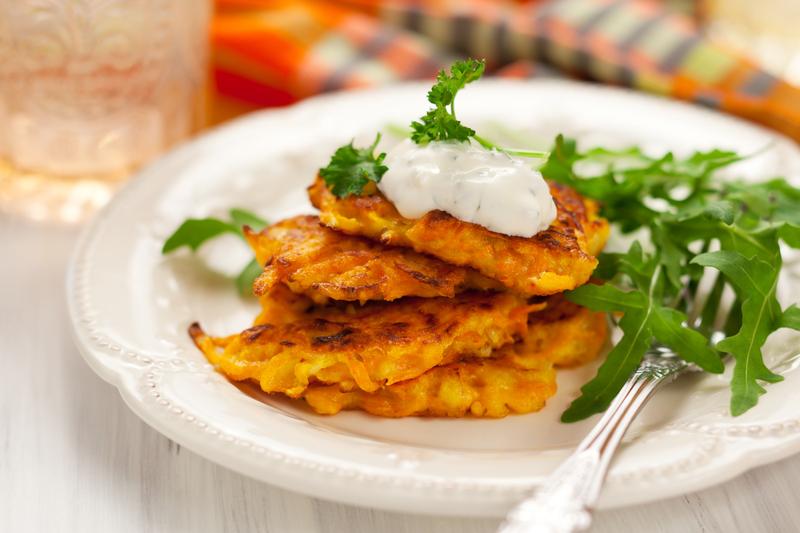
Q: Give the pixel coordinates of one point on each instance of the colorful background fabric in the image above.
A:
(275, 52)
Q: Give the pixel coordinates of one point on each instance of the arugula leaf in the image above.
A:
(248, 275)
(790, 234)
(631, 177)
(775, 200)
(754, 281)
(686, 210)
(608, 298)
(194, 232)
(791, 318)
(440, 123)
(621, 361)
(711, 306)
(645, 318)
(242, 218)
(669, 327)
(351, 168)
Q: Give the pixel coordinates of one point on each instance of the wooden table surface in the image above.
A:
(73, 457)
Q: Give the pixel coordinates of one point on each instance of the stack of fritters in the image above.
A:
(365, 309)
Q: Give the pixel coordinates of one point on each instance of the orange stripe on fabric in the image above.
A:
(228, 5)
(231, 61)
(481, 10)
(404, 56)
(638, 60)
(563, 33)
(252, 39)
(360, 29)
(783, 109)
(371, 7)
(518, 69)
(312, 75)
(646, 9)
(601, 46)
(738, 77)
(780, 110)
(276, 41)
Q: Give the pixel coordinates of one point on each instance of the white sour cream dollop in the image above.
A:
(485, 187)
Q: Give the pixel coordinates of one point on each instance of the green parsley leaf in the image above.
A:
(440, 123)
(351, 168)
(194, 232)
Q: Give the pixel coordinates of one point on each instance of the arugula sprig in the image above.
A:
(645, 317)
(194, 232)
(687, 211)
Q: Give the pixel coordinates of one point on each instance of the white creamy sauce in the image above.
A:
(485, 187)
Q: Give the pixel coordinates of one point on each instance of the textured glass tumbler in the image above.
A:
(89, 91)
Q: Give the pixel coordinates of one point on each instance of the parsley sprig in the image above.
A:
(351, 169)
(194, 232)
(440, 122)
(699, 225)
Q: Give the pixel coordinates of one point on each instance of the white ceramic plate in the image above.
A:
(130, 308)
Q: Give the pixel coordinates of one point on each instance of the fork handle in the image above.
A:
(563, 503)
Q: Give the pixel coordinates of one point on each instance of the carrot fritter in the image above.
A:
(367, 346)
(557, 259)
(571, 335)
(324, 264)
(484, 388)
(519, 378)
(282, 306)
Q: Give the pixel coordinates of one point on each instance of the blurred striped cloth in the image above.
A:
(274, 52)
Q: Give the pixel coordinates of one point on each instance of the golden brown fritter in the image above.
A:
(519, 378)
(367, 346)
(573, 335)
(282, 306)
(485, 388)
(323, 264)
(557, 259)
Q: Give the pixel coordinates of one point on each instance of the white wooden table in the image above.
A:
(74, 458)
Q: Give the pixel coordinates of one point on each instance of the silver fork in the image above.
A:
(564, 502)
